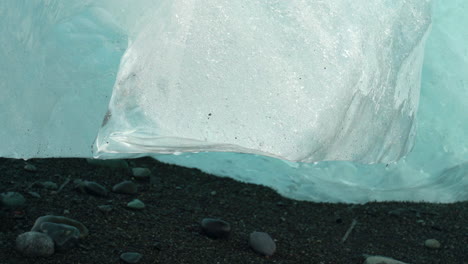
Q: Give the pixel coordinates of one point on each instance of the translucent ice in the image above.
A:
(299, 80)
(435, 170)
(57, 65)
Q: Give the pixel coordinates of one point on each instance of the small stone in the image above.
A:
(49, 185)
(141, 173)
(105, 208)
(60, 220)
(34, 194)
(213, 193)
(94, 188)
(12, 200)
(432, 243)
(262, 243)
(64, 236)
(131, 257)
(30, 167)
(136, 204)
(157, 245)
(35, 244)
(215, 228)
(381, 260)
(126, 187)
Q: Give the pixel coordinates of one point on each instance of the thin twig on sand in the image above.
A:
(351, 227)
(63, 185)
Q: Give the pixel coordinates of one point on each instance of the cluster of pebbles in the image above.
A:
(260, 242)
(51, 233)
(59, 233)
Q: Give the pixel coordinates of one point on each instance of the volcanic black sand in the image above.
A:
(177, 199)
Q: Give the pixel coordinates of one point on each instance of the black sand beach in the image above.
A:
(168, 229)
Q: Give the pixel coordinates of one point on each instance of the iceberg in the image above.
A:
(301, 81)
(296, 96)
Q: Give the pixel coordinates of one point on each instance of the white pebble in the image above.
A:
(432, 243)
(30, 167)
(381, 260)
(262, 243)
(136, 204)
(35, 244)
(141, 172)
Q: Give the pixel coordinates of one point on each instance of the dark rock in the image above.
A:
(49, 185)
(131, 257)
(95, 188)
(126, 187)
(215, 228)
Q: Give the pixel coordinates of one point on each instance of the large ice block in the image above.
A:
(436, 170)
(59, 61)
(297, 80)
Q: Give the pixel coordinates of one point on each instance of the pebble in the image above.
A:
(60, 220)
(215, 228)
(34, 194)
(30, 167)
(49, 185)
(262, 243)
(136, 204)
(131, 257)
(105, 208)
(12, 200)
(64, 236)
(432, 243)
(91, 187)
(35, 244)
(381, 260)
(141, 173)
(126, 187)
